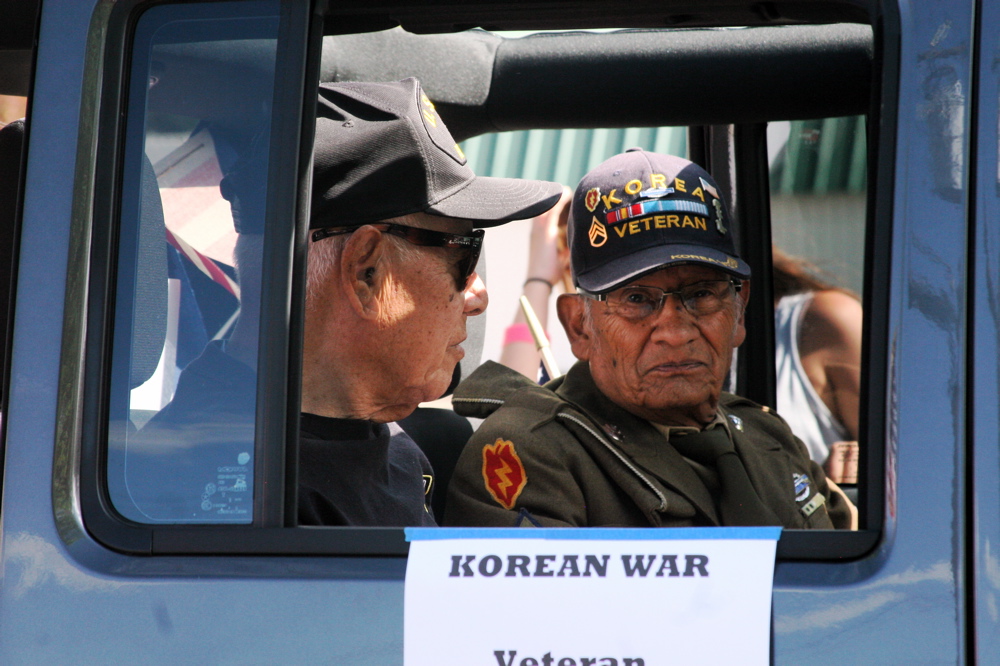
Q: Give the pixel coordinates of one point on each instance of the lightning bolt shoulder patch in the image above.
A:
(503, 472)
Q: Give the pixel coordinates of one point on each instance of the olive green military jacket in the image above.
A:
(564, 455)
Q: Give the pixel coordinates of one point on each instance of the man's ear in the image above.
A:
(363, 270)
(741, 330)
(573, 317)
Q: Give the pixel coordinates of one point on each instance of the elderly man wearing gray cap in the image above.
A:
(396, 231)
(395, 235)
(639, 431)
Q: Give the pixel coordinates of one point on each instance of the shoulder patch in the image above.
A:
(503, 472)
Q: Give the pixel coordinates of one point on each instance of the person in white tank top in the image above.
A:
(818, 362)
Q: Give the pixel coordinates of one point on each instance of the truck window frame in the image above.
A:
(280, 351)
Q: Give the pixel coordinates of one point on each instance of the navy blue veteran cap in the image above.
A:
(382, 151)
(638, 212)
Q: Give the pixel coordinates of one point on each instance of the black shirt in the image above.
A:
(361, 473)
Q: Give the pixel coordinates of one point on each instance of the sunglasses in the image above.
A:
(470, 246)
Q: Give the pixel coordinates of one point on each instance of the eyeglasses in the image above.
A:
(639, 302)
(470, 246)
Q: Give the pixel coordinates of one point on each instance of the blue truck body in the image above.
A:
(925, 592)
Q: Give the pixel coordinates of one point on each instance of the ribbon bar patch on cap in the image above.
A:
(503, 473)
(663, 206)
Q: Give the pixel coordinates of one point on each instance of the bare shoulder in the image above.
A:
(833, 317)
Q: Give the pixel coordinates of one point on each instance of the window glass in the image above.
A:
(818, 178)
(183, 392)
(818, 195)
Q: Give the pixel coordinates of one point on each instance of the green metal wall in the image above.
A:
(821, 156)
(817, 179)
(564, 156)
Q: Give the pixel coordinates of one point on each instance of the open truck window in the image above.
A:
(817, 182)
(205, 174)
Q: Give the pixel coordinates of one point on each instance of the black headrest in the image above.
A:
(150, 298)
(11, 143)
(11, 147)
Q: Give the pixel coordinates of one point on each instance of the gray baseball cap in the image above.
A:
(382, 151)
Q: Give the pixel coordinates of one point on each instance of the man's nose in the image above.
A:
(673, 324)
(476, 298)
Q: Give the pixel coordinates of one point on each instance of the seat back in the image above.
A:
(150, 314)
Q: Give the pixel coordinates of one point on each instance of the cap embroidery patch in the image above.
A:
(503, 473)
(718, 217)
(708, 187)
(656, 192)
(428, 110)
(436, 130)
(610, 200)
(728, 263)
(592, 198)
(598, 234)
(670, 205)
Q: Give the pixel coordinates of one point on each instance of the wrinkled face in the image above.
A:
(424, 324)
(668, 367)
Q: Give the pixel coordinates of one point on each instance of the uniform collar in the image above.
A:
(639, 439)
(718, 422)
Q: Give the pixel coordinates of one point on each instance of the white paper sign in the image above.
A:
(588, 597)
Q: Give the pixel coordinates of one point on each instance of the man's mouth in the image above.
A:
(679, 367)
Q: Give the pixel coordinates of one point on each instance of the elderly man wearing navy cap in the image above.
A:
(396, 230)
(639, 431)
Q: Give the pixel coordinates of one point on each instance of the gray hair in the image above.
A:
(324, 255)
